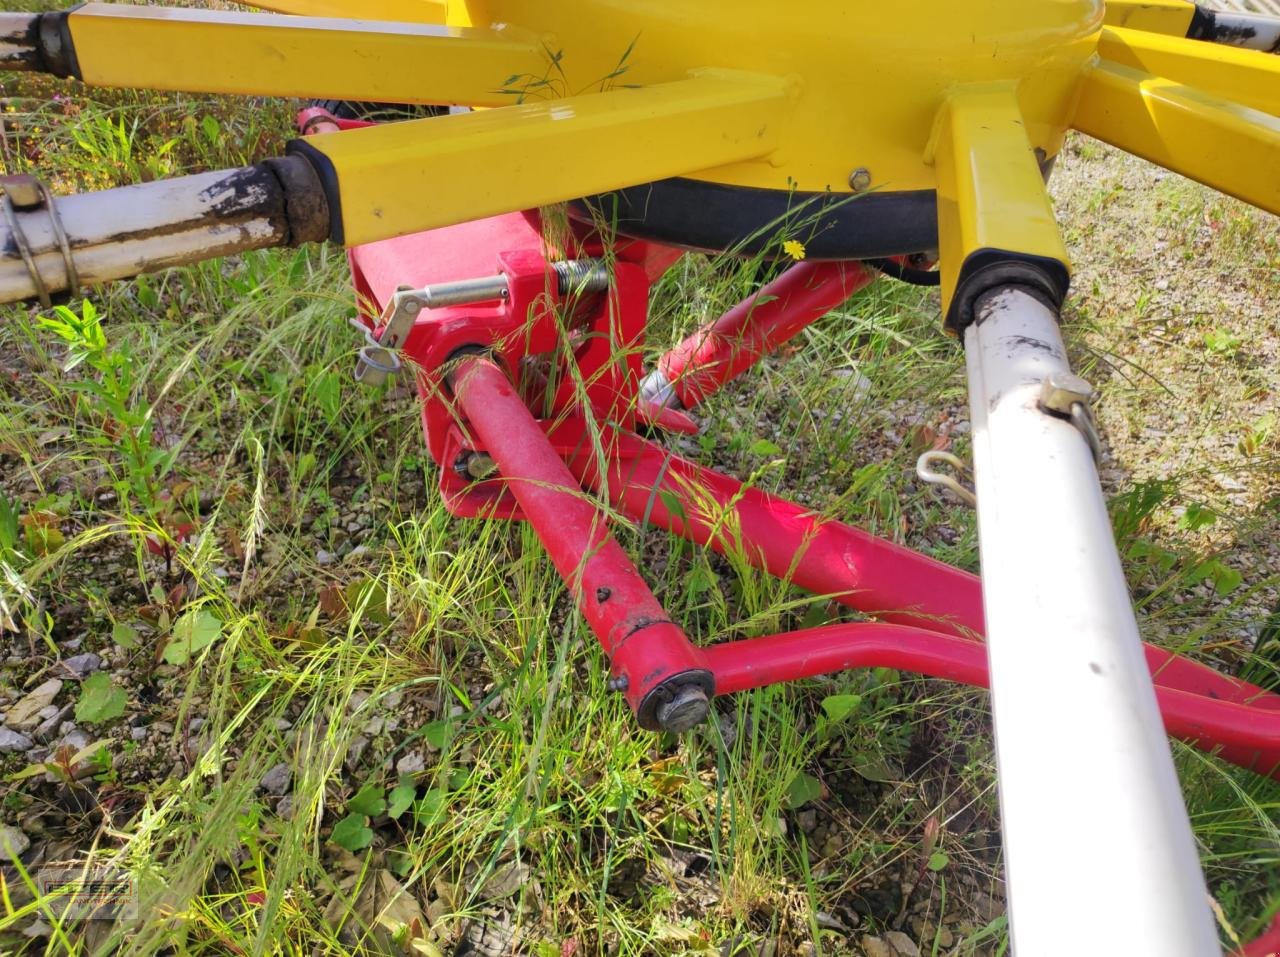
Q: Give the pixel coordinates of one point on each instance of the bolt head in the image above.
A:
(860, 180)
(686, 710)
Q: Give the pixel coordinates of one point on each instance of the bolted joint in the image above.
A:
(474, 466)
(678, 704)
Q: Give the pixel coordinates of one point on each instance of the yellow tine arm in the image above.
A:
(400, 178)
(1221, 144)
(993, 211)
(262, 54)
(406, 11)
(1170, 17)
(1248, 77)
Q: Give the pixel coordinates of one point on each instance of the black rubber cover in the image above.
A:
(716, 218)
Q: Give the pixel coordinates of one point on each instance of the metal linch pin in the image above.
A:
(927, 471)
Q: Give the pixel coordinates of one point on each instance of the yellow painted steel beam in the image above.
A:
(1221, 144)
(1248, 77)
(262, 54)
(1170, 17)
(400, 178)
(405, 11)
(992, 204)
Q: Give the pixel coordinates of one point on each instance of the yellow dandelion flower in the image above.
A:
(794, 248)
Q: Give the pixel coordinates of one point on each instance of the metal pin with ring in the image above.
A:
(926, 470)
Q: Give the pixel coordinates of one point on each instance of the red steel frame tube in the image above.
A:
(787, 540)
(1237, 732)
(720, 351)
(645, 647)
(831, 558)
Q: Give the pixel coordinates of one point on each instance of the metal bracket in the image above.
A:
(378, 359)
(1068, 396)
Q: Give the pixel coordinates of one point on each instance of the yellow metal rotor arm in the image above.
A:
(995, 221)
(272, 55)
(400, 178)
(405, 11)
(1170, 17)
(1248, 77)
(1222, 144)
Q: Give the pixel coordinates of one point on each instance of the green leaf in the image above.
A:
(100, 700)
(368, 599)
(1197, 517)
(8, 525)
(803, 789)
(938, 860)
(672, 502)
(124, 636)
(438, 734)
(874, 767)
(401, 798)
(192, 633)
(700, 580)
(815, 615)
(1221, 341)
(211, 128)
(763, 447)
(840, 706)
(352, 833)
(430, 807)
(1225, 579)
(368, 801)
(327, 389)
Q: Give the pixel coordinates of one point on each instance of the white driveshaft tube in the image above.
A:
(1100, 858)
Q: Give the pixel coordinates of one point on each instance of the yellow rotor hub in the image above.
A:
(869, 79)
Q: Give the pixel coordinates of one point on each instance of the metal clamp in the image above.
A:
(1067, 395)
(25, 192)
(925, 469)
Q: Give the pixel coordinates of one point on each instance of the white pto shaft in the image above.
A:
(1100, 854)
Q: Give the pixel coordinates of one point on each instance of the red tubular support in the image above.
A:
(757, 662)
(720, 351)
(663, 676)
(786, 540)
(1234, 731)
(1268, 945)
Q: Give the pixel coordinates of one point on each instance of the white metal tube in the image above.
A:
(1100, 858)
(119, 233)
(1253, 31)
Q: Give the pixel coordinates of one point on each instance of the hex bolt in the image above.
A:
(620, 683)
(860, 180)
(475, 466)
(1062, 390)
(687, 709)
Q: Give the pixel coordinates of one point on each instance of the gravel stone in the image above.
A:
(75, 739)
(902, 945)
(411, 763)
(12, 842)
(875, 947)
(25, 715)
(81, 666)
(276, 781)
(11, 742)
(49, 728)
